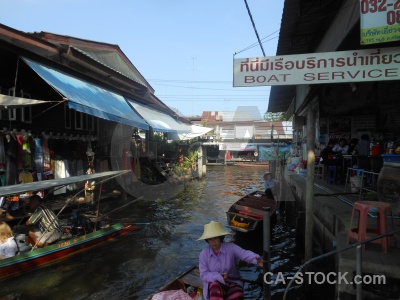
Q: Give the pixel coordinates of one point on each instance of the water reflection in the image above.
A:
(134, 266)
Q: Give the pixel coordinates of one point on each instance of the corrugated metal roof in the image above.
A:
(304, 23)
(91, 56)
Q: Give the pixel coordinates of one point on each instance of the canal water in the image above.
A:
(136, 265)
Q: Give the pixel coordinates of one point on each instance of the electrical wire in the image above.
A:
(254, 26)
(292, 23)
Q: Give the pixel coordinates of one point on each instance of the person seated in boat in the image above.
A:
(217, 264)
(5, 215)
(8, 244)
(47, 226)
(4, 210)
(269, 184)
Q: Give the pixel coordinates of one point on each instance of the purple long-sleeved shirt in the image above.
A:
(211, 265)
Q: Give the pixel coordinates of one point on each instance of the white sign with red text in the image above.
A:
(315, 68)
(379, 21)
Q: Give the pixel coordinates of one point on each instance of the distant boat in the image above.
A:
(262, 165)
(247, 214)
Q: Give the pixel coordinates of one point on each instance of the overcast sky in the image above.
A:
(184, 48)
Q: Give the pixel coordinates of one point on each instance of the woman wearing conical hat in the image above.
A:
(217, 264)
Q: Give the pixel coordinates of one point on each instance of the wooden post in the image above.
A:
(266, 253)
(308, 251)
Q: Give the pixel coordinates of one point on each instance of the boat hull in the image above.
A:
(247, 214)
(189, 280)
(30, 260)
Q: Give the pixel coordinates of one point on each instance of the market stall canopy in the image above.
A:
(52, 183)
(89, 98)
(158, 120)
(15, 102)
(196, 131)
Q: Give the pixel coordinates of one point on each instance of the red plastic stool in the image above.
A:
(359, 233)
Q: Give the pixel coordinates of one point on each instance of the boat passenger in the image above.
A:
(217, 264)
(269, 184)
(4, 210)
(8, 245)
(48, 228)
(5, 215)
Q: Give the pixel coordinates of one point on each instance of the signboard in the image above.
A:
(379, 21)
(314, 68)
(237, 147)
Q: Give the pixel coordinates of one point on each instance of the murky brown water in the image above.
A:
(135, 266)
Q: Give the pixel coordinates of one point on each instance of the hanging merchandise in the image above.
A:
(125, 159)
(39, 158)
(26, 153)
(90, 158)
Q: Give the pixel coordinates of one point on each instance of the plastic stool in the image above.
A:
(332, 174)
(359, 233)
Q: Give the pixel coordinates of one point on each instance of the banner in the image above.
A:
(314, 68)
(379, 21)
(273, 152)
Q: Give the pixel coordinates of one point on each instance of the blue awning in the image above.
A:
(158, 120)
(89, 98)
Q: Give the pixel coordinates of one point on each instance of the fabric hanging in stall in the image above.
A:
(59, 172)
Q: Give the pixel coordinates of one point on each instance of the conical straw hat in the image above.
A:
(266, 175)
(213, 229)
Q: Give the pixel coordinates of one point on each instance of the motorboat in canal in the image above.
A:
(187, 285)
(81, 232)
(67, 246)
(247, 214)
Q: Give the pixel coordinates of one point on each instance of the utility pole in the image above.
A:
(193, 97)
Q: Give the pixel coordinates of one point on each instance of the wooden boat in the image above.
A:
(247, 214)
(189, 281)
(82, 232)
(253, 165)
(61, 249)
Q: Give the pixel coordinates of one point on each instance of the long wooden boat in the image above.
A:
(247, 214)
(61, 249)
(82, 232)
(188, 282)
(253, 165)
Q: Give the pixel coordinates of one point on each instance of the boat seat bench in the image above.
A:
(248, 211)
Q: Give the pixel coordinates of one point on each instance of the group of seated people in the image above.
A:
(43, 229)
(332, 154)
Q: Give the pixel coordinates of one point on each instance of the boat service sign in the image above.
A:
(316, 68)
(379, 21)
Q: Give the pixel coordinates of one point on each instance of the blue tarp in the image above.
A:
(89, 98)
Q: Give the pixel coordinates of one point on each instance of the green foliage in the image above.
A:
(187, 164)
(159, 139)
(269, 116)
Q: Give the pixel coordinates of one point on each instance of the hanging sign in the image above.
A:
(238, 147)
(379, 21)
(314, 68)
